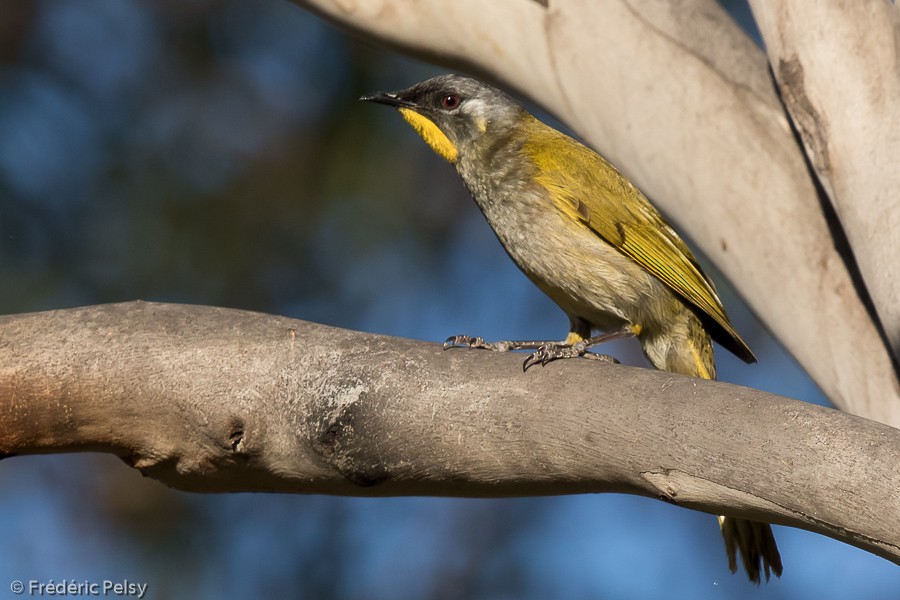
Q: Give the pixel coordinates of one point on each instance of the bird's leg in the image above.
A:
(575, 345)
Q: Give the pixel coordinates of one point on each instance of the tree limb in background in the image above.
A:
(842, 91)
(677, 96)
(211, 400)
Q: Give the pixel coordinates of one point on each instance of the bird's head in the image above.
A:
(453, 113)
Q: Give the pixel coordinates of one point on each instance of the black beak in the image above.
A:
(389, 98)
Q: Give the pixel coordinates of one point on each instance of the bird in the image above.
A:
(590, 240)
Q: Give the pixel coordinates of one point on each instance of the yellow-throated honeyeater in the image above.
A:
(588, 239)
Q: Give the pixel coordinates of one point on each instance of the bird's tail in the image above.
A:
(759, 553)
(689, 351)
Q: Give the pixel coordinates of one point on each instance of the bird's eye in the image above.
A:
(450, 101)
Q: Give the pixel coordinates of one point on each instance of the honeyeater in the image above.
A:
(587, 238)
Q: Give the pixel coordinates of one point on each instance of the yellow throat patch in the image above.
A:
(431, 133)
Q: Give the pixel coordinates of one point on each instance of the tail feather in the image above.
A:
(756, 544)
(687, 349)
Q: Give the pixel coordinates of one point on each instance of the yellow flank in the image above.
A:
(431, 133)
(573, 338)
(702, 371)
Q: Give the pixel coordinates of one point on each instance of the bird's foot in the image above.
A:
(467, 341)
(555, 351)
(546, 351)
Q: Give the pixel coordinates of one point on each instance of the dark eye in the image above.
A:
(450, 101)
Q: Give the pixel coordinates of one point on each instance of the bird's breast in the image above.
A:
(586, 276)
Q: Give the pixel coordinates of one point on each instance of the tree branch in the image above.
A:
(679, 98)
(841, 89)
(213, 400)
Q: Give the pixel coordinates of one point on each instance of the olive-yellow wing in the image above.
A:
(620, 214)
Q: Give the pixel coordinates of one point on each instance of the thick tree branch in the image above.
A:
(678, 97)
(209, 399)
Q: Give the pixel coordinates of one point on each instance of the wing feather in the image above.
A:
(620, 214)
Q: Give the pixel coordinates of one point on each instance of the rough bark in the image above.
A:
(212, 400)
(680, 99)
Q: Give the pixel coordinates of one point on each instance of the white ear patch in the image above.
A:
(478, 110)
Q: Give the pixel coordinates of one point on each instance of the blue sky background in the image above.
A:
(216, 153)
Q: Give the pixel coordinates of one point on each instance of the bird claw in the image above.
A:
(545, 353)
(467, 341)
(460, 341)
(550, 352)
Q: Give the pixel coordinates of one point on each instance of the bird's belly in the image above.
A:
(582, 273)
